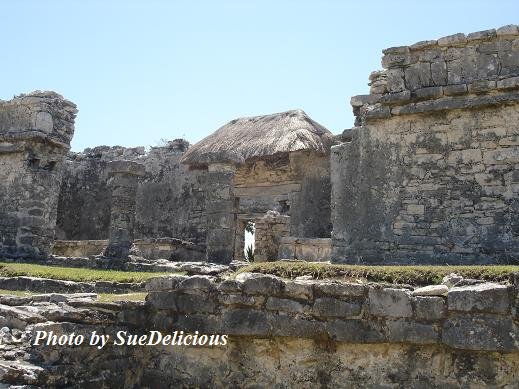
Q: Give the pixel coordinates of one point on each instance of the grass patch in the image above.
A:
(412, 275)
(73, 273)
(19, 293)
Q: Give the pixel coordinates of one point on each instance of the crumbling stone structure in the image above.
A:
(170, 202)
(270, 229)
(35, 134)
(123, 183)
(431, 172)
(276, 162)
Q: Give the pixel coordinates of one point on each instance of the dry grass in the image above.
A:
(412, 275)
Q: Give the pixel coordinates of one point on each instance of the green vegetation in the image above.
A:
(19, 293)
(412, 275)
(73, 273)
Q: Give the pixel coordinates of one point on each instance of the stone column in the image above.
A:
(220, 213)
(123, 182)
(35, 134)
(269, 231)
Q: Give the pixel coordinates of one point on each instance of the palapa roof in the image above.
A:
(260, 136)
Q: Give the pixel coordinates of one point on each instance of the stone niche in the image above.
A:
(35, 134)
(431, 172)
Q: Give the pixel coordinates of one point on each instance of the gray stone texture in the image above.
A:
(170, 199)
(220, 213)
(123, 182)
(35, 133)
(486, 297)
(429, 173)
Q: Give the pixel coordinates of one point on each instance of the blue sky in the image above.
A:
(142, 71)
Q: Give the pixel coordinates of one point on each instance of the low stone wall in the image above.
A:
(300, 333)
(307, 333)
(160, 248)
(308, 249)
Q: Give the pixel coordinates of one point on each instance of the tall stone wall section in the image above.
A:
(170, 198)
(295, 184)
(35, 134)
(431, 172)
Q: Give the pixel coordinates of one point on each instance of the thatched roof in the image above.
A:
(260, 136)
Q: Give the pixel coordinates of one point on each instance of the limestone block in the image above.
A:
(205, 283)
(418, 75)
(230, 286)
(356, 331)
(331, 307)
(452, 40)
(481, 332)
(284, 305)
(299, 289)
(431, 290)
(430, 308)
(508, 30)
(245, 322)
(486, 297)
(395, 80)
(164, 283)
(455, 90)
(508, 83)
(390, 302)
(408, 331)
(241, 300)
(254, 283)
(289, 326)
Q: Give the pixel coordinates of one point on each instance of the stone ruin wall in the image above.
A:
(35, 133)
(297, 185)
(170, 198)
(431, 172)
(292, 333)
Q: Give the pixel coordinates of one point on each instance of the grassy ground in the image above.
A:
(73, 274)
(105, 297)
(412, 275)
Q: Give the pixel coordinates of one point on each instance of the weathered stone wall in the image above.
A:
(282, 333)
(35, 133)
(150, 248)
(307, 333)
(431, 173)
(297, 185)
(270, 229)
(170, 198)
(306, 249)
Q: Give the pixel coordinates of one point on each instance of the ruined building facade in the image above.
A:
(35, 133)
(431, 172)
(428, 175)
